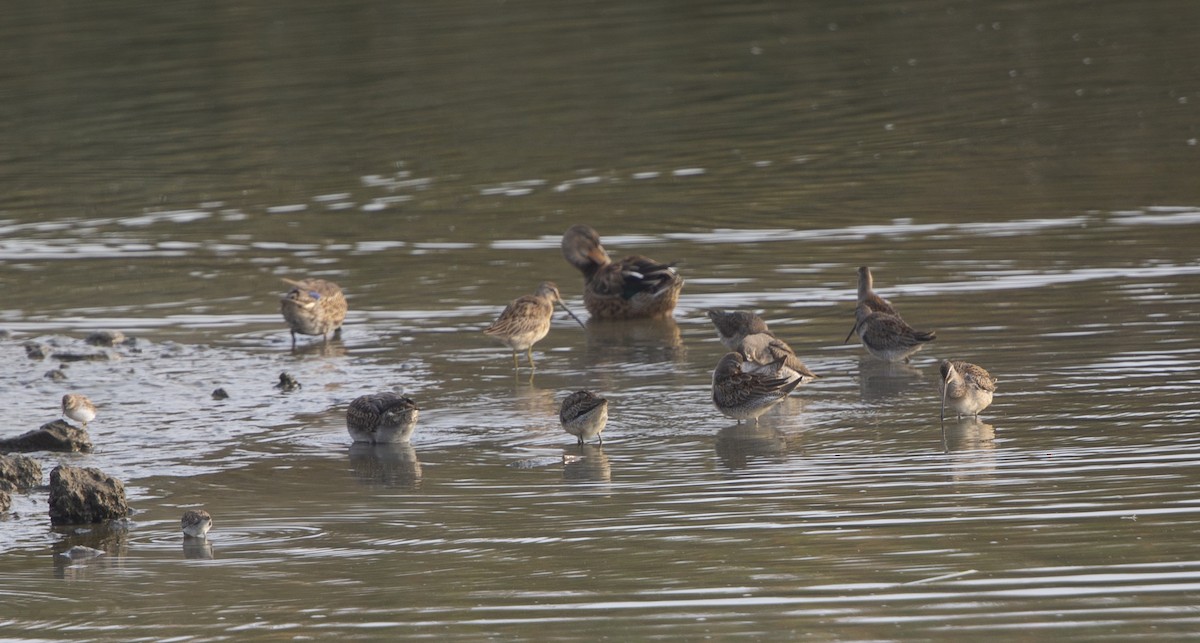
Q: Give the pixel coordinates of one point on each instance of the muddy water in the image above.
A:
(1022, 178)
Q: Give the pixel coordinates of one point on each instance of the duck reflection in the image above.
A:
(640, 340)
(881, 380)
(332, 348)
(392, 464)
(84, 547)
(737, 445)
(586, 463)
(197, 549)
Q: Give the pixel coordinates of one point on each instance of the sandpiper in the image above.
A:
(584, 415)
(196, 523)
(745, 396)
(526, 320)
(77, 407)
(967, 387)
(313, 307)
(631, 288)
(766, 354)
(382, 417)
(887, 336)
(866, 293)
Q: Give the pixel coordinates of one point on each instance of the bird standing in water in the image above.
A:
(313, 307)
(526, 321)
(887, 336)
(196, 523)
(79, 408)
(381, 418)
(745, 396)
(764, 353)
(584, 415)
(966, 387)
(635, 287)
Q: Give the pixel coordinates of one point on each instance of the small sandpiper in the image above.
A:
(196, 523)
(887, 336)
(381, 418)
(77, 407)
(635, 287)
(526, 320)
(966, 387)
(765, 354)
(313, 307)
(584, 415)
(745, 396)
(866, 293)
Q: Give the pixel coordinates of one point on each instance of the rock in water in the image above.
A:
(287, 383)
(53, 436)
(105, 338)
(19, 472)
(85, 495)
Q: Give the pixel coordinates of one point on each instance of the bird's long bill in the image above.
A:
(564, 307)
(945, 387)
(852, 331)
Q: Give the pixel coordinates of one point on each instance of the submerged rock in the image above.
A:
(78, 356)
(56, 375)
(52, 436)
(85, 495)
(220, 394)
(80, 552)
(37, 350)
(287, 383)
(19, 472)
(105, 338)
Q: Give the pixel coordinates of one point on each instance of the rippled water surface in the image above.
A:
(1021, 177)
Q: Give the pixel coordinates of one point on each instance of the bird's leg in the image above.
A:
(529, 354)
(516, 364)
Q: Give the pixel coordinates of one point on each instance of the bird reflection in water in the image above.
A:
(392, 464)
(738, 445)
(971, 450)
(197, 549)
(586, 463)
(880, 380)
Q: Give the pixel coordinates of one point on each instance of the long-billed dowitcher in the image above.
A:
(526, 320)
(887, 336)
(79, 408)
(196, 523)
(867, 295)
(745, 396)
(313, 307)
(631, 288)
(766, 354)
(967, 387)
(584, 415)
(381, 418)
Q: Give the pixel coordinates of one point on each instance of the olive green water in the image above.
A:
(1022, 177)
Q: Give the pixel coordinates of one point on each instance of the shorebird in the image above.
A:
(196, 523)
(631, 288)
(526, 320)
(745, 396)
(381, 418)
(887, 336)
(866, 294)
(765, 354)
(584, 415)
(313, 307)
(967, 387)
(77, 407)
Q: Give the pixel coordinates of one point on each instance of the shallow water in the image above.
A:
(1021, 178)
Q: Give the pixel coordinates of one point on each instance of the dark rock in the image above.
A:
(19, 472)
(105, 338)
(287, 383)
(36, 350)
(52, 436)
(5, 501)
(71, 356)
(81, 495)
(220, 394)
(56, 375)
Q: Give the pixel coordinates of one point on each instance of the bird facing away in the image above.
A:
(313, 307)
(745, 396)
(584, 415)
(966, 387)
(635, 287)
(766, 354)
(526, 320)
(866, 293)
(196, 523)
(77, 407)
(887, 336)
(382, 418)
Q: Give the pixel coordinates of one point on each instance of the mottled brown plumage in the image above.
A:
(867, 295)
(313, 307)
(79, 408)
(764, 353)
(382, 418)
(746, 396)
(631, 288)
(887, 336)
(526, 320)
(966, 387)
(584, 415)
(196, 523)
